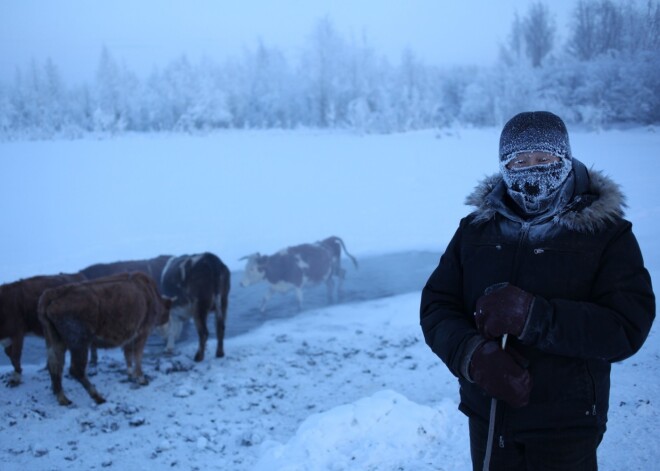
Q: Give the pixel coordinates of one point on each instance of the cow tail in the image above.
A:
(42, 306)
(346, 252)
(51, 334)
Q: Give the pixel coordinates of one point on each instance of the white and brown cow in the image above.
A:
(294, 267)
(18, 314)
(114, 311)
(199, 283)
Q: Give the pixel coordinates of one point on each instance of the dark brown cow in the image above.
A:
(294, 267)
(198, 284)
(114, 311)
(18, 314)
(151, 266)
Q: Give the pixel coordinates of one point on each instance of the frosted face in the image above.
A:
(533, 179)
(530, 159)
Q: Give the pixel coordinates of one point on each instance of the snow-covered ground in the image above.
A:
(337, 388)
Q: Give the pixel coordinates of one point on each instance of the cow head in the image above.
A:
(255, 269)
(164, 307)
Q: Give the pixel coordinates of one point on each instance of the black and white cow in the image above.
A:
(198, 284)
(294, 267)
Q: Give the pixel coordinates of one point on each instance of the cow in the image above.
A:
(199, 283)
(18, 314)
(151, 266)
(113, 311)
(294, 267)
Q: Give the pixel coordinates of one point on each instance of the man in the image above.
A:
(542, 287)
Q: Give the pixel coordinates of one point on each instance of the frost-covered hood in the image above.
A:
(596, 200)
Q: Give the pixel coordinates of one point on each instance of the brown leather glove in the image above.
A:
(497, 372)
(503, 310)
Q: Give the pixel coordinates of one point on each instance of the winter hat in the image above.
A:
(535, 189)
(534, 131)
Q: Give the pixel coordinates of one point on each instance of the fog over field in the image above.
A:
(349, 386)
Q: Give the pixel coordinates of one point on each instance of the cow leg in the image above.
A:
(330, 284)
(128, 357)
(13, 351)
(200, 313)
(220, 321)
(93, 355)
(55, 349)
(299, 296)
(341, 274)
(174, 328)
(56, 354)
(265, 299)
(79, 355)
(134, 351)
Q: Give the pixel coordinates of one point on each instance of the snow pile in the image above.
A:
(383, 431)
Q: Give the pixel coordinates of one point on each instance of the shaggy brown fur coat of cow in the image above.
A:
(114, 311)
(18, 314)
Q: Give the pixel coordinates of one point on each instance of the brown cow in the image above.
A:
(114, 311)
(18, 314)
(294, 267)
(151, 266)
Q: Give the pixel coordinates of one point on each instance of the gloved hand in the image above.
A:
(496, 371)
(503, 310)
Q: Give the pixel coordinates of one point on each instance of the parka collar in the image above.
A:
(596, 200)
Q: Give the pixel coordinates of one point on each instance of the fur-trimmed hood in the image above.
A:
(597, 200)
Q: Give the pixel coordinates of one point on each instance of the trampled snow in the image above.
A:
(349, 386)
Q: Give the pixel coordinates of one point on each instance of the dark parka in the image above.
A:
(593, 303)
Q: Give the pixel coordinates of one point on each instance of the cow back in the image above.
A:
(111, 309)
(152, 267)
(283, 267)
(190, 277)
(19, 301)
(314, 260)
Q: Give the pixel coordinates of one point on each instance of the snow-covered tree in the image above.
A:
(322, 70)
(538, 29)
(116, 90)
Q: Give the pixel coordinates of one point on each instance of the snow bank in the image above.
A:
(383, 431)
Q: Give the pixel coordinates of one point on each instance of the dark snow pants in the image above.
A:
(554, 450)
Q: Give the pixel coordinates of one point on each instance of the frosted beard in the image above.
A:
(535, 188)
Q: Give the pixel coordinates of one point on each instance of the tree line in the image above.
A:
(607, 71)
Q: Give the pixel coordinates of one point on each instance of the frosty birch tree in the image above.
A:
(538, 29)
(321, 68)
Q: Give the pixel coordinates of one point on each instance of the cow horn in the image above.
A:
(256, 254)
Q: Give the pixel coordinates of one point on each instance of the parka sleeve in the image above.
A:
(448, 329)
(610, 326)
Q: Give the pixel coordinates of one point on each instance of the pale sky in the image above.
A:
(148, 33)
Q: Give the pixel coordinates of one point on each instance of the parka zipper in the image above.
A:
(524, 230)
(500, 426)
(542, 250)
(593, 390)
